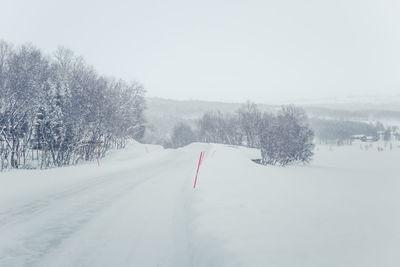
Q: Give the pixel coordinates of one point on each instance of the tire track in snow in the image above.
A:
(35, 208)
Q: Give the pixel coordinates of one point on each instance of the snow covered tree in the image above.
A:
(286, 138)
(59, 109)
(250, 119)
(25, 71)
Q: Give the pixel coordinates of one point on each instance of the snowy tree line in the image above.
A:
(56, 110)
(340, 132)
(283, 138)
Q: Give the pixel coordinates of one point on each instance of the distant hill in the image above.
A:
(356, 102)
(190, 109)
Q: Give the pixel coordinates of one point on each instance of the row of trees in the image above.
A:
(340, 132)
(56, 110)
(283, 138)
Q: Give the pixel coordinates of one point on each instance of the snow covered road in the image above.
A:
(127, 214)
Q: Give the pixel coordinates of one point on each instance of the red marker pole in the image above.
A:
(95, 150)
(198, 167)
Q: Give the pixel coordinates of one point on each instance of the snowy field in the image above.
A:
(139, 208)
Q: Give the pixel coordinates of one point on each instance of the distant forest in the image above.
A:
(56, 110)
(331, 126)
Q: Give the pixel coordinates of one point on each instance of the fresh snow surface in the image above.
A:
(139, 208)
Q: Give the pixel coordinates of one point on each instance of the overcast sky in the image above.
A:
(265, 51)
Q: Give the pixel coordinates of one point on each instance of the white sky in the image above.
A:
(265, 51)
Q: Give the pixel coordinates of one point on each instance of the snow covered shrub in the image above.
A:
(286, 138)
